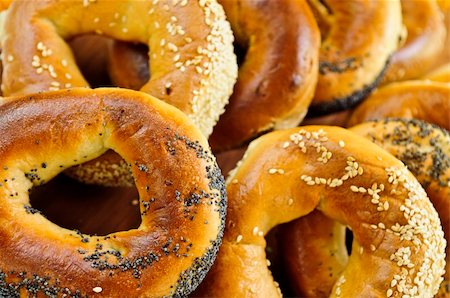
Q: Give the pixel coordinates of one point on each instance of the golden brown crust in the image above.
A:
(425, 150)
(182, 197)
(425, 27)
(191, 44)
(354, 54)
(440, 74)
(281, 40)
(278, 75)
(423, 100)
(350, 180)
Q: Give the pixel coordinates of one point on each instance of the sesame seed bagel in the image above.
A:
(288, 174)
(359, 39)
(192, 62)
(316, 243)
(277, 76)
(184, 37)
(182, 196)
(424, 100)
(425, 28)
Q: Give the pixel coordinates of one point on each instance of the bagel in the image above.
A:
(440, 74)
(277, 76)
(423, 100)
(287, 174)
(191, 42)
(358, 40)
(426, 31)
(182, 196)
(315, 243)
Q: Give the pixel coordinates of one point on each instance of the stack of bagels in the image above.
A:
(279, 147)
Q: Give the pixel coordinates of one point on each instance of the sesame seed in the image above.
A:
(354, 188)
(389, 293)
(255, 231)
(97, 289)
(239, 238)
(285, 144)
(290, 202)
(341, 144)
(372, 247)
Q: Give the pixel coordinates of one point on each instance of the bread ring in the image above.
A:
(283, 172)
(424, 100)
(424, 43)
(315, 243)
(182, 196)
(440, 74)
(354, 54)
(276, 79)
(278, 75)
(191, 42)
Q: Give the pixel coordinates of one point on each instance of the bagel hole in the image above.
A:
(91, 209)
(91, 55)
(240, 50)
(274, 252)
(348, 240)
(321, 11)
(134, 65)
(274, 255)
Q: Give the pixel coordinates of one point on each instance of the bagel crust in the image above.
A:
(278, 75)
(182, 196)
(360, 38)
(424, 43)
(193, 66)
(423, 100)
(425, 150)
(398, 239)
(316, 243)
